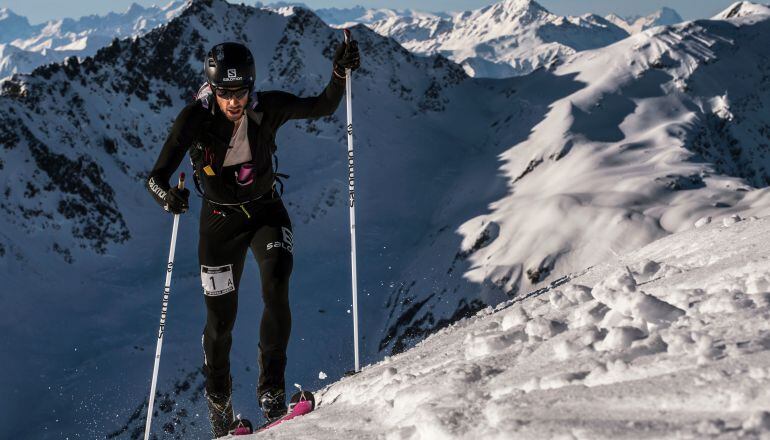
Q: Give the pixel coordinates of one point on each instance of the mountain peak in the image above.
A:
(635, 24)
(6, 13)
(135, 8)
(667, 16)
(506, 10)
(519, 6)
(13, 26)
(742, 9)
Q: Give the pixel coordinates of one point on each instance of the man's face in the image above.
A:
(232, 102)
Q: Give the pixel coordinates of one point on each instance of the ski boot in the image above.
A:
(220, 411)
(273, 404)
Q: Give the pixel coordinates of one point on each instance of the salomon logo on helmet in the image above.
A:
(232, 75)
(230, 65)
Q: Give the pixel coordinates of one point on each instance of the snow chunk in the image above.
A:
(485, 344)
(729, 221)
(588, 314)
(620, 338)
(703, 221)
(758, 422)
(543, 328)
(558, 300)
(516, 317)
(757, 284)
(578, 294)
(619, 293)
(679, 342)
(712, 427)
(564, 350)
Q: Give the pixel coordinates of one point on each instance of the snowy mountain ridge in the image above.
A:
(347, 17)
(24, 47)
(663, 17)
(512, 37)
(743, 9)
(650, 136)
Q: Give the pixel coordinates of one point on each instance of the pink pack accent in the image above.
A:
(243, 430)
(300, 409)
(245, 175)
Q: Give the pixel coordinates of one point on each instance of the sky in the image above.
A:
(42, 10)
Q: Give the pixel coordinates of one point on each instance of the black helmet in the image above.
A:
(230, 65)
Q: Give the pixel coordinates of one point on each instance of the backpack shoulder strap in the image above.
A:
(255, 116)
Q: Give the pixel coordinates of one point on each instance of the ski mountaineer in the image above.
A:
(230, 135)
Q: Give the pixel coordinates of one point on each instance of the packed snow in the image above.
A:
(669, 341)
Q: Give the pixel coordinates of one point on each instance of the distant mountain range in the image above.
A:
(24, 46)
(509, 38)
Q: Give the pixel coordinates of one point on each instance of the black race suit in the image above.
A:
(235, 218)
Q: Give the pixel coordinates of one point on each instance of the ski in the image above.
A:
(301, 403)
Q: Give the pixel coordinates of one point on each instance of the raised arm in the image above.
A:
(288, 106)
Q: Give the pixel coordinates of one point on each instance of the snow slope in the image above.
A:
(658, 135)
(24, 47)
(669, 341)
(512, 37)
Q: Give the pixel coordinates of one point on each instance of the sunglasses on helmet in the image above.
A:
(231, 93)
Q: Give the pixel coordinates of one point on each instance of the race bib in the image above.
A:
(218, 280)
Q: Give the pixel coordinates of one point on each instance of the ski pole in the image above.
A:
(163, 310)
(352, 199)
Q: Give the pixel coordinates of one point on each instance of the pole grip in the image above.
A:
(180, 185)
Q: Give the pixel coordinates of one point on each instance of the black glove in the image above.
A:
(177, 200)
(346, 57)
